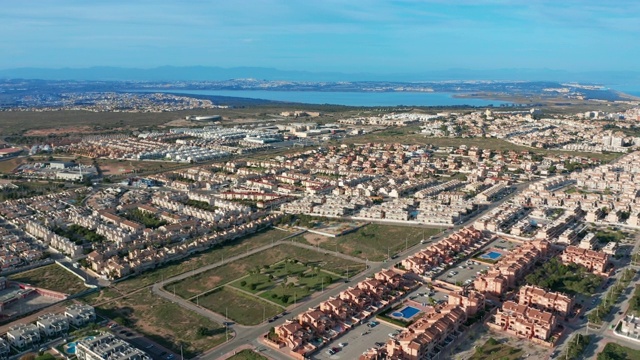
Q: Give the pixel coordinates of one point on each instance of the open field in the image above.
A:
(373, 242)
(226, 250)
(238, 307)
(213, 278)
(164, 322)
(70, 121)
(407, 135)
(247, 354)
(492, 350)
(51, 277)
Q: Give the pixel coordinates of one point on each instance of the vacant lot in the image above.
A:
(238, 307)
(247, 355)
(493, 349)
(617, 352)
(373, 242)
(226, 250)
(7, 166)
(165, 322)
(51, 277)
(210, 279)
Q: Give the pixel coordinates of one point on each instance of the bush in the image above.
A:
(243, 283)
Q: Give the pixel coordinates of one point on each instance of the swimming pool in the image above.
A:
(491, 255)
(407, 312)
(70, 348)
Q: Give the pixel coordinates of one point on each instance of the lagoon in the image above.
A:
(345, 98)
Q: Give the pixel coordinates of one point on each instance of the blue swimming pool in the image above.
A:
(407, 312)
(70, 348)
(491, 255)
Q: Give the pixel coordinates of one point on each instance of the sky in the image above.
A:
(374, 36)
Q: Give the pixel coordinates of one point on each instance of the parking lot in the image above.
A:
(156, 351)
(356, 343)
(464, 271)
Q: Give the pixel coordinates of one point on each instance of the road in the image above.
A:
(251, 334)
(604, 334)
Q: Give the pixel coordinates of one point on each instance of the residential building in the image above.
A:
(80, 314)
(595, 261)
(554, 302)
(23, 335)
(53, 325)
(524, 321)
(107, 346)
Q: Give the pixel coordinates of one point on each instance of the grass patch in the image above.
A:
(285, 282)
(576, 347)
(226, 250)
(372, 242)
(605, 236)
(210, 279)
(239, 307)
(634, 302)
(247, 354)
(613, 351)
(51, 277)
(493, 349)
(165, 322)
(151, 221)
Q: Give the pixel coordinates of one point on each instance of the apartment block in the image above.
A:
(525, 321)
(595, 261)
(554, 302)
(23, 335)
(80, 314)
(107, 346)
(53, 325)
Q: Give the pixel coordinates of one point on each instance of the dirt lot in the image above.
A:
(373, 242)
(51, 277)
(62, 130)
(164, 322)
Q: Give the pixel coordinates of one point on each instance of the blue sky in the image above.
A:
(328, 35)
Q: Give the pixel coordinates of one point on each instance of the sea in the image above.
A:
(631, 89)
(347, 98)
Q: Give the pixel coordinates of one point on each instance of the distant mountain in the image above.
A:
(203, 73)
